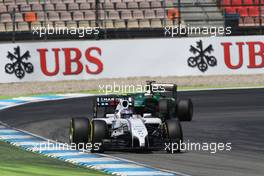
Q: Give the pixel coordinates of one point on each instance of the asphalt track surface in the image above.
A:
(235, 116)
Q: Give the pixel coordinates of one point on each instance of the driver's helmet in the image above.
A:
(126, 113)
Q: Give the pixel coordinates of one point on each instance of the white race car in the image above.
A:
(119, 128)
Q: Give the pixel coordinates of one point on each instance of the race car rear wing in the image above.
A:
(162, 87)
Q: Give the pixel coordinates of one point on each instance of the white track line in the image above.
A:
(65, 154)
(16, 137)
(145, 173)
(78, 160)
(103, 166)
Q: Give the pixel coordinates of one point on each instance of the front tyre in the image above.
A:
(79, 130)
(174, 136)
(185, 110)
(98, 132)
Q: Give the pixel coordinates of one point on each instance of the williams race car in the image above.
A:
(116, 125)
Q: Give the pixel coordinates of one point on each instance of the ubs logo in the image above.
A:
(202, 57)
(18, 65)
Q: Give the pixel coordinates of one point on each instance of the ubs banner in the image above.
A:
(76, 60)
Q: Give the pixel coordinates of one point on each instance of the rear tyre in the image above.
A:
(185, 110)
(79, 130)
(173, 131)
(166, 109)
(164, 106)
(98, 132)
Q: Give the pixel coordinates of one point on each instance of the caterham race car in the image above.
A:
(161, 99)
(121, 123)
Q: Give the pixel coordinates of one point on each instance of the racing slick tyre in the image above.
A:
(185, 110)
(79, 130)
(98, 132)
(174, 136)
(165, 108)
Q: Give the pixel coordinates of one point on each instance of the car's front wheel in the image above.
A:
(79, 130)
(98, 132)
(173, 134)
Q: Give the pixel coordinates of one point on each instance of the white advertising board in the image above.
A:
(77, 60)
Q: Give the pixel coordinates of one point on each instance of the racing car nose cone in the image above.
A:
(139, 131)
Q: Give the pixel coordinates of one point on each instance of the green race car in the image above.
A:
(161, 99)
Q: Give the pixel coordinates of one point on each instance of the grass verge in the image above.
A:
(18, 162)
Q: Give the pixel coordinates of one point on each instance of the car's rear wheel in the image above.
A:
(174, 136)
(79, 130)
(166, 109)
(98, 132)
(185, 110)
